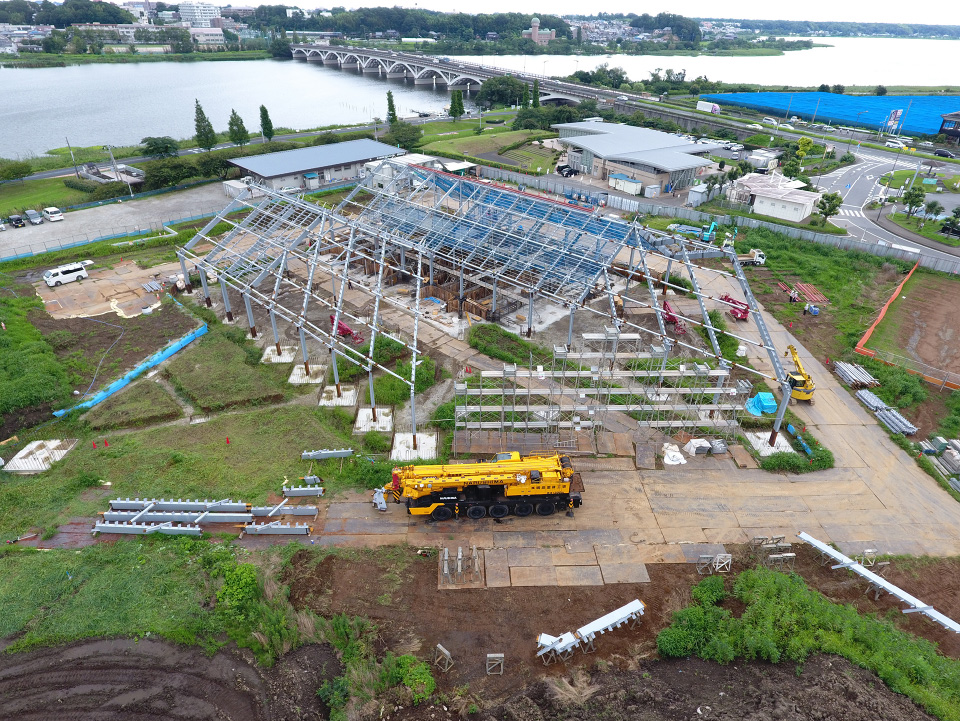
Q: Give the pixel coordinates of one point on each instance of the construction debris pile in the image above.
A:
(890, 417)
(854, 375)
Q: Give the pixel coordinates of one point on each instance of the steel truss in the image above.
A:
(433, 230)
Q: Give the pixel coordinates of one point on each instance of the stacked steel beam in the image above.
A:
(854, 375)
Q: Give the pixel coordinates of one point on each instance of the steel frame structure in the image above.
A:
(295, 259)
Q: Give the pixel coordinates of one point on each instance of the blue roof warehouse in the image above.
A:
(920, 114)
(314, 166)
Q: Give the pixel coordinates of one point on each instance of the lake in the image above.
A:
(120, 104)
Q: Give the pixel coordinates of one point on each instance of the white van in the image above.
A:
(65, 274)
(52, 214)
(770, 121)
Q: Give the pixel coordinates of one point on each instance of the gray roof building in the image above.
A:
(611, 141)
(315, 159)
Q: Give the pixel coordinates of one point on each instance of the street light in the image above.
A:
(857, 123)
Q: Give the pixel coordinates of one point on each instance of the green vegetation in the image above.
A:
(929, 229)
(143, 403)
(391, 391)
(811, 223)
(38, 194)
(846, 278)
(30, 373)
(385, 351)
(474, 145)
(951, 181)
(728, 344)
(799, 462)
(492, 340)
(783, 620)
(223, 370)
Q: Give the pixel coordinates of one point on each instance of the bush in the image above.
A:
(239, 591)
(107, 191)
(85, 186)
(492, 340)
(710, 591)
(376, 442)
(443, 416)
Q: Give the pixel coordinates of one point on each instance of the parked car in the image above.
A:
(65, 273)
(736, 147)
(786, 126)
(33, 216)
(895, 144)
(16, 221)
(52, 214)
(755, 126)
(770, 121)
(939, 152)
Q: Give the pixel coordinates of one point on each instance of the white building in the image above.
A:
(775, 196)
(198, 15)
(207, 37)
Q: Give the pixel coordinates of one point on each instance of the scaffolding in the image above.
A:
(484, 251)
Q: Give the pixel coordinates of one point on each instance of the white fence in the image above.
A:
(630, 205)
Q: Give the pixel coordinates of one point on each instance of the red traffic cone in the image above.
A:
(94, 445)
(105, 444)
(228, 441)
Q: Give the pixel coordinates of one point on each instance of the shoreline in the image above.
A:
(38, 61)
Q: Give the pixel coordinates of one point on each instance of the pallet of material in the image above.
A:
(810, 292)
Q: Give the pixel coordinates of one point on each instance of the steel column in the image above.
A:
(246, 302)
(206, 290)
(226, 300)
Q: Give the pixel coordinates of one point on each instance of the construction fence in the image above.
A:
(631, 205)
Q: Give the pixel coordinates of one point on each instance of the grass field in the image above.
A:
(141, 404)
(265, 446)
(533, 156)
(475, 145)
(16, 197)
(221, 372)
(901, 178)
(929, 230)
(714, 207)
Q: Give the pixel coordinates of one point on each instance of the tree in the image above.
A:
(525, 97)
(913, 200)
(237, 130)
(791, 169)
(266, 125)
(280, 48)
(880, 90)
(536, 93)
(829, 205)
(956, 213)
(803, 147)
(824, 88)
(838, 89)
(406, 135)
(932, 209)
(456, 105)
(391, 109)
(162, 147)
(206, 136)
(15, 170)
(504, 90)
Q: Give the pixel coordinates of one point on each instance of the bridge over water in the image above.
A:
(433, 71)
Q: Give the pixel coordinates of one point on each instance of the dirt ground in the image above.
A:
(923, 323)
(130, 680)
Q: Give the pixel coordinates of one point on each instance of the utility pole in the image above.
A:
(73, 159)
(116, 171)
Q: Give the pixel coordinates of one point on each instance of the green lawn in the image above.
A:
(929, 230)
(901, 178)
(533, 156)
(474, 145)
(141, 404)
(15, 197)
(221, 371)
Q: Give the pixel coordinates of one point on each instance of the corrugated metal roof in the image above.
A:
(289, 162)
(612, 141)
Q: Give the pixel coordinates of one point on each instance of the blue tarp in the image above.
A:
(154, 360)
(761, 403)
(920, 113)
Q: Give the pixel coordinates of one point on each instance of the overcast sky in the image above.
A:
(947, 13)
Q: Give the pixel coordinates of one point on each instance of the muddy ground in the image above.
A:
(114, 680)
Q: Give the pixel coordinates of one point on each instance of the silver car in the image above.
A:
(33, 217)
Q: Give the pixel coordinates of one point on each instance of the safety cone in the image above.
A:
(94, 445)
(105, 444)
(228, 441)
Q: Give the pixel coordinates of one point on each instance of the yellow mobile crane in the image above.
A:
(507, 484)
(801, 382)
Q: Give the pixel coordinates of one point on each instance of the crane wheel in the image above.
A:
(476, 512)
(523, 509)
(441, 513)
(499, 511)
(545, 509)
(812, 401)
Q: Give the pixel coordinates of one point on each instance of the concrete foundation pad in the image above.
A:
(529, 557)
(403, 449)
(495, 568)
(579, 576)
(624, 573)
(288, 354)
(761, 443)
(365, 421)
(38, 456)
(533, 576)
(299, 377)
(347, 399)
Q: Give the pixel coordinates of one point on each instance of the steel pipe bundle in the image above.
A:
(855, 376)
(896, 422)
(871, 401)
